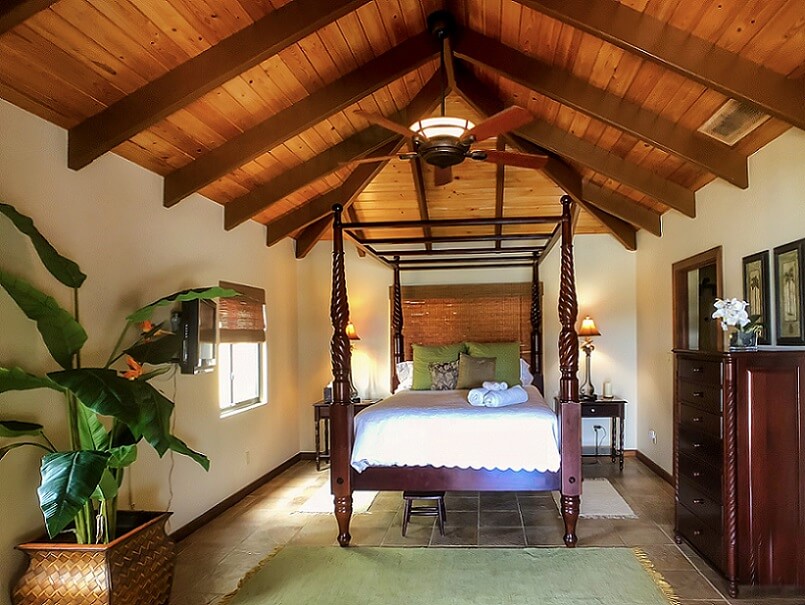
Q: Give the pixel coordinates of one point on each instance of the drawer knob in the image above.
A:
(592, 410)
(698, 501)
(697, 473)
(697, 532)
(698, 370)
(698, 394)
(696, 419)
(696, 446)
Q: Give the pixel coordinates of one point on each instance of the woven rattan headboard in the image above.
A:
(467, 312)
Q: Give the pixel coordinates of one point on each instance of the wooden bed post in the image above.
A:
(341, 409)
(536, 327)
(397, 342)
(570, 409)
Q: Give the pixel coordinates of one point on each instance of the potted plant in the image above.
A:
(94, 552)
(733, 314)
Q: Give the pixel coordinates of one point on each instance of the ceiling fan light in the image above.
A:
(442, 126)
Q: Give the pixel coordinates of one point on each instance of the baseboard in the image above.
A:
(223, 505)
(307, 455)
(656, 468)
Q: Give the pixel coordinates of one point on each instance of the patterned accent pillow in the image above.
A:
(443, 375)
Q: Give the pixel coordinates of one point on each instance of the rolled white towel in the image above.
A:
(499, 399)
(476, 396)
(490, 385)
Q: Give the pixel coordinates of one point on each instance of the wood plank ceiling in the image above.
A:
(252, 102)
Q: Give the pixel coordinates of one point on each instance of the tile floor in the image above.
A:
(212, 560)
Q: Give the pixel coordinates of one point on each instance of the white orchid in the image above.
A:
(732, 312)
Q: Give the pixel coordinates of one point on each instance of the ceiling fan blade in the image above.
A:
(442, 176)
(383, 121)
(512, 158)
(371, 159)
(503, 121)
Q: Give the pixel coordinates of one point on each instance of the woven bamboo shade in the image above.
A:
(435, 315)
(242, 318)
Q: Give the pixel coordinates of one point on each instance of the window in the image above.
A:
(241, 349)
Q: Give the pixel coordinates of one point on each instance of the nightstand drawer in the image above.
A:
(704, 538)
(700, 504)
(701, 446)
(700, 420)
(697, 370)
(601, 409)
(701, 475)
(704, 396)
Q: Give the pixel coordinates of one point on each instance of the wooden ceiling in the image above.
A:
(251, 102)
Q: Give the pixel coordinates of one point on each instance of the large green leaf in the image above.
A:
(16, 428)
(195, 294)
(68, 480)
(16, 379)
(5, 450)
(63, 269)
(91, 432)
(122, 456)
(180, 447)
(62, 334)
(107, 487)
(156, 350)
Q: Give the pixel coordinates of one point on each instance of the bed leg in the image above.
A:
(343, 514)
(570, 514)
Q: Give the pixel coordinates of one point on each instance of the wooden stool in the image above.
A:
(436, 509)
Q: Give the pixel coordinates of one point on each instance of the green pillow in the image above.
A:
(507, 356)
(474, 371)
(423, 355)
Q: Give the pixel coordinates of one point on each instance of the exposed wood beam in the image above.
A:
(322, 205)
(555, 237)
(675, 49)
(194, 78)
(352, 216)
(14, 12)
(565, 88)
(449, 65)
(311, 235)
(620, 230)
(500, 176)
(421, 198)
(622, 207)
(357, 146)
(300, 116)
(578, 150)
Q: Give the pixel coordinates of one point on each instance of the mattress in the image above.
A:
(441, 429)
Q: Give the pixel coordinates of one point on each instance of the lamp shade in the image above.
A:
(352, 333)
(588, 328)
(442, 126)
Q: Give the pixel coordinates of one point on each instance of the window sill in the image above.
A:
(241, 407)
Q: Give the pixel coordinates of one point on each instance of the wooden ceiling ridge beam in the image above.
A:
(567, 89)
(622, 231)
(357, 146)
(196, 77)
(421, 197)
(322, 205)
(311, 234)
(14, 12)
(500, 176)
(578, 150)
(675, 49)
(300, 116)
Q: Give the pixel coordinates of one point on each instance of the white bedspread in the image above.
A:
(441, 428)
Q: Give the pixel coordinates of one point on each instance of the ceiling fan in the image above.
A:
(445, 141)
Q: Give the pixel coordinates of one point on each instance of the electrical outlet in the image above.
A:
(652, 434)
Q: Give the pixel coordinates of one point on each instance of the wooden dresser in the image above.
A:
(739, 463)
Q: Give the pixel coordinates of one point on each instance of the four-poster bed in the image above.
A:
(566, 479)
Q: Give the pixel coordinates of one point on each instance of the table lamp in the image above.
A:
(352, 334)
(587, 330)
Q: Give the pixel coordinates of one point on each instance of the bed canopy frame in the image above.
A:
(344, 479)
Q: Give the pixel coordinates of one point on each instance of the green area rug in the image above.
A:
(442, 576)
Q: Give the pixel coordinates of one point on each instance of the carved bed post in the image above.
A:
(536, 327)
(570, 409)
(341, 409)
(397, 342)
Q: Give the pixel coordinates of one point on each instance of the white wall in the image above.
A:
(110, 219)
(769, 213)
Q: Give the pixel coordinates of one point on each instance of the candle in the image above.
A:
(608, 389)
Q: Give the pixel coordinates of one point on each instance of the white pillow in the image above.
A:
(526, 377)
(405, 375)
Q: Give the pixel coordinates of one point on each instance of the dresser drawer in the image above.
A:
(700, 420)
(701, 475)
(704, 396)
(700, 504)
(701, 446)
(699, 370)
(701, 536)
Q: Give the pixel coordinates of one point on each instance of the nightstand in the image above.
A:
(321, 415)
(614, 409)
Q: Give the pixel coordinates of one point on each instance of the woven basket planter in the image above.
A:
(134, 569)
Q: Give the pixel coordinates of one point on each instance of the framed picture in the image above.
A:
(789, 293)
(756, 292)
